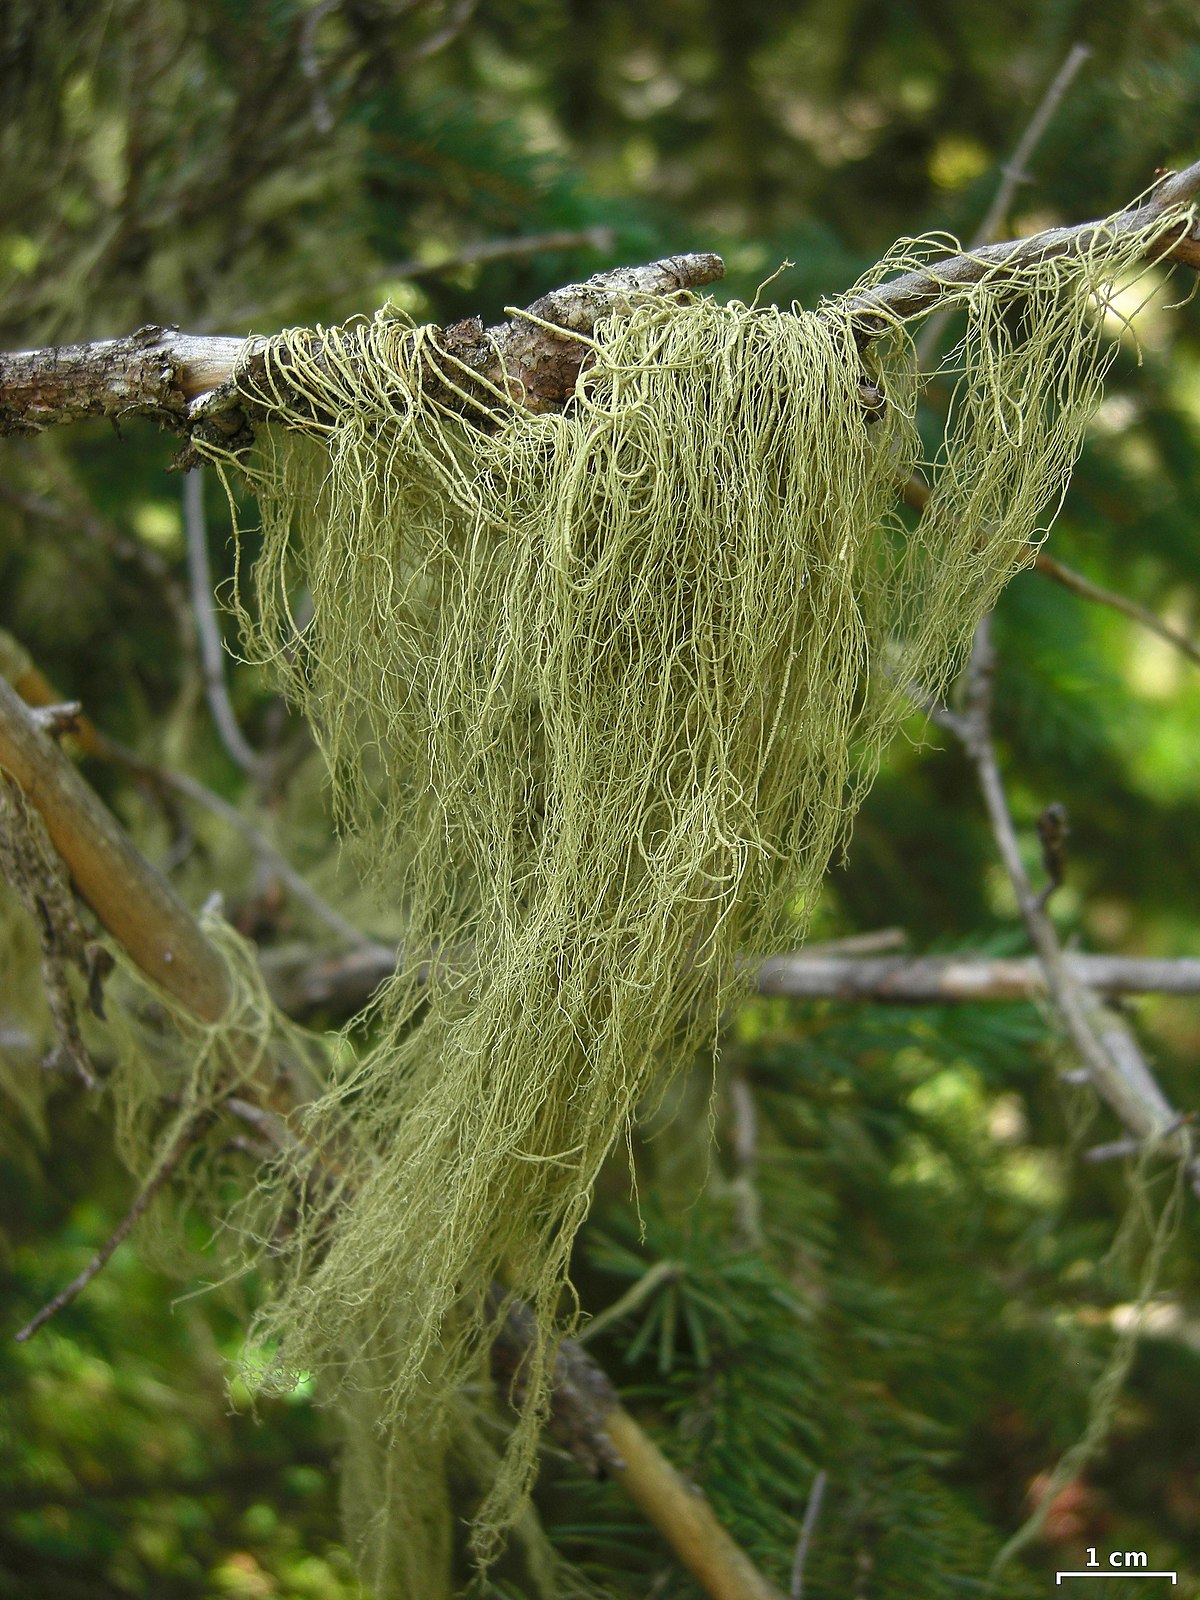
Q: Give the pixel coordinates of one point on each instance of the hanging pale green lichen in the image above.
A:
(171, 1078)
(599, 691)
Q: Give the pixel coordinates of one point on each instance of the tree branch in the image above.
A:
(145, 1195)
(1012, 175)
(340, 984)
(208, 634)
(1087, 590)
(811, 1512)
(162, 373)
(966, 979)
(515, 249)
(39, 694)
(1107, 1048)
(132, 901)
(916, 494)
(154, 372)
(914, 292)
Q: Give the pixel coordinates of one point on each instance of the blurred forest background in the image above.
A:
(914, 1278)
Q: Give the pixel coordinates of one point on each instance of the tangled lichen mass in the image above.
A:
(599, 692)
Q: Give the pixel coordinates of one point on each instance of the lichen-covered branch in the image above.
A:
(164, 374)
(172, 376)
(914, 292)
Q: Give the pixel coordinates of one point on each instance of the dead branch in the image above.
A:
(154, 372)
(1106, 1046)
(1013, 174)
(807, 1528)
(967, 979)
(515, 249)
(917, 495)
(142, 1200)
(1087, 590)
(208, 633)
(163, 373)
(340, 984)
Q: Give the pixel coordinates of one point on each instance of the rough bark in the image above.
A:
(181, 379)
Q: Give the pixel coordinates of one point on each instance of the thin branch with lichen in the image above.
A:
(173, 377)
(182, 379)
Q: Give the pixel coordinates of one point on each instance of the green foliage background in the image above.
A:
(918, 1289)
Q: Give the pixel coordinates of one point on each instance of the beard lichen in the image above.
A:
(599, 692)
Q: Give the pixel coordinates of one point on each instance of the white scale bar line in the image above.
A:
(1122, 1572)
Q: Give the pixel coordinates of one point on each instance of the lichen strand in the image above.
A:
(599, 691)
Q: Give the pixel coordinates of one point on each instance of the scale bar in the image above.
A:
(1132, 1572)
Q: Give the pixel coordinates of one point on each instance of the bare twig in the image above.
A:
(310, 65)
(917, 495)
(588, 1420)
(165, 1169)
(459, 13)
(270, 1127)
(1106, 1047)
(874, 942)
(73, 514)
(811, 1512)
(1112, 1150)
(1087, 590)
(527, 244)
(59, 719)
(303, 981)
(1013, 174)
(967, 979)
(212, 651)
(746, 1201)
(295, 882)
